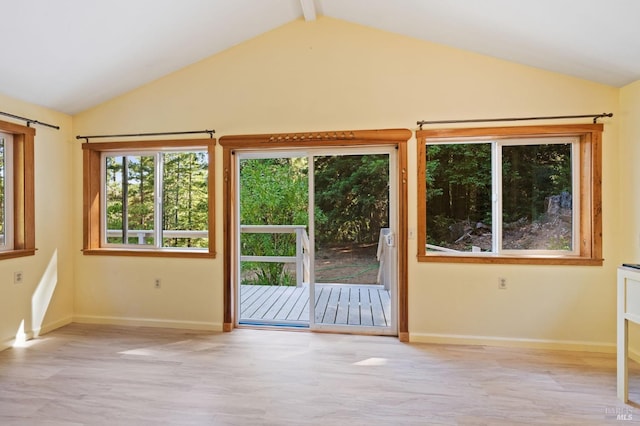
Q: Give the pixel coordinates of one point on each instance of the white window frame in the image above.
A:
(496, 168)
(496, 194)
(157, 199)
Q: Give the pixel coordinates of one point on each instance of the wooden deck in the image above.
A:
(343, 304)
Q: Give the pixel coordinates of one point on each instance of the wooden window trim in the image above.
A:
(24, 238)
(590, 192)
(91, 206)
(348, 138)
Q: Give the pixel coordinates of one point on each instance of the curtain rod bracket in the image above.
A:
(485, 120)
(132, 135)
(29, 120)
(604, 114)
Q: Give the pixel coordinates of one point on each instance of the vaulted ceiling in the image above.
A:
(70, 55)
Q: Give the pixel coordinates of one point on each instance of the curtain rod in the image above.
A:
(131, 135)
(484, 120)
(29, 120)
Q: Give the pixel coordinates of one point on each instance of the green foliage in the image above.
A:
(438, 229)
(267, 273)
(459, 185)
(351, 205)
(131, 195)
(272, 192)
(433, 166)
(351, 201)
(2, 190)
(530, 174)
(352, 192)
(185, 197)
(559, 242)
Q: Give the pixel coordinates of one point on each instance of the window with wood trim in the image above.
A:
(150, 198)
(510, 195)
(17, 216)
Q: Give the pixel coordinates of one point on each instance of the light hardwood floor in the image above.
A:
(105, 375)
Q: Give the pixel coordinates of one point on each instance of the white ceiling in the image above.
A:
(70, 55)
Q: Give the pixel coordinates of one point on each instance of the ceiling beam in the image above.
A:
(308, 10)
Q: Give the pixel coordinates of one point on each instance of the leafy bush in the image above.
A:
(272, 192)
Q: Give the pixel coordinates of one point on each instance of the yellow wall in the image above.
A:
(628, 184)
(44, 300)
(629, 176)
(331, 75)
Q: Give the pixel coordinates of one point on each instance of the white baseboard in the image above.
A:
(10, 343)
(46, 328)
(147, 322)
(634, 355)
(6, 344)
(30, 334)
(566, 345)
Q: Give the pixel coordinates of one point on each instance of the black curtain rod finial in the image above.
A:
(604, 114)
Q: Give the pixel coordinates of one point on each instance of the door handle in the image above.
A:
(391, 239)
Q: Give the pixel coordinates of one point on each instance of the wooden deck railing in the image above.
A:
(301, 259)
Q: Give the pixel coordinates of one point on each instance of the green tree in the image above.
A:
(352, 192)
(2, 191)
(530, 174)
(131, 198)
(140, 194)
(459, 184)
(185, 196)
(458, 187)
(272, 192)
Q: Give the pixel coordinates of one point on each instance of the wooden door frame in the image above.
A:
(325, 139)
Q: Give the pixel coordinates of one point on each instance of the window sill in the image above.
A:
(150, 253)
(11, 254)
(502, 259)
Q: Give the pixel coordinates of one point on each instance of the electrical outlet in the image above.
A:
(502, 283)
(18, 277)
(157, 283)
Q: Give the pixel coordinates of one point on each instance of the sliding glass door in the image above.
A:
(353, 218)
(316, 244)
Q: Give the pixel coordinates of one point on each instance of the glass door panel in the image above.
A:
(273, 240)
(353, 241)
